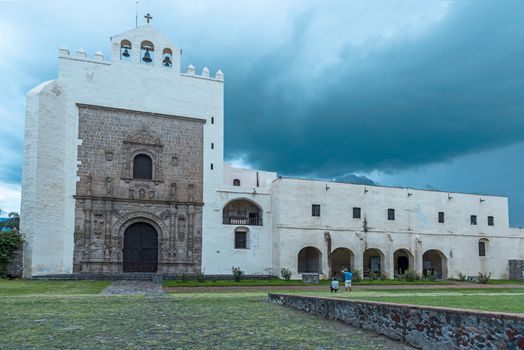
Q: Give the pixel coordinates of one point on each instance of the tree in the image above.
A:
(10, 240)
(12, 223)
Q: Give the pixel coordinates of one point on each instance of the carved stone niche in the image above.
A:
(98, 222)
(181, 228)
(143, 141)
(141, 190)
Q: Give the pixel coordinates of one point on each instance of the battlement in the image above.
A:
(81, 55)
(191, 72)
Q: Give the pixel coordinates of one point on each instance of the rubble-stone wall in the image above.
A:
(516, 269)
(15, 267)
(421, 327)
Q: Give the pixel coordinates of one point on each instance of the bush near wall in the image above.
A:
(10, 242)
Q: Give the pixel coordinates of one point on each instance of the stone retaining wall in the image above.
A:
(421, 327)
(516, 269)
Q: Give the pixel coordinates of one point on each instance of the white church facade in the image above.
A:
(124, 172)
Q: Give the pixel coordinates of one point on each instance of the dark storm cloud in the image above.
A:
(457, 90)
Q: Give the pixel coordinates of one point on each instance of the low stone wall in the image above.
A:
(516, 269)
(136, 276)
(15, 267)
(421, 327)
(311, 278)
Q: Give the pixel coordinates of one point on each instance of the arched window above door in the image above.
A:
(142, 167)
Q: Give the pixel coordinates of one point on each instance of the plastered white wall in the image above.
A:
(415, 227)
(219, 254)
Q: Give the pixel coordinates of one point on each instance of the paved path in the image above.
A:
(228, 289)
(147, 288)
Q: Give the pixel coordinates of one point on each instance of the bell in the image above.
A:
(125, 53)
(166, 62)
(147, 57)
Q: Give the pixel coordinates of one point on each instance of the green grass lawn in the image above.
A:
(180, 321)
(500, 299)
(489, 302)
(281, 282)
(28, 287)
(506, 282)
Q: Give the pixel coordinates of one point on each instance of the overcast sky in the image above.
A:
(415, 93)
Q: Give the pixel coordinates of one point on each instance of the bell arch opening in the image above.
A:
(125, 50)
(147, 52)
(167, 58)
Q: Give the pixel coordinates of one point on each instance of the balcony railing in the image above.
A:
(242, 221)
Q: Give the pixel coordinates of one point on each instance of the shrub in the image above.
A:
(237, 273)
(484, 277)
(373, 276)
(200, 277)
(431, 275)
(357, 275)
(10, 241)
(462, 277)
(409, 275)
(285, 273)
(183, 277)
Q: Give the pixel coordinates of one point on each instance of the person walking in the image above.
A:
(348, 277)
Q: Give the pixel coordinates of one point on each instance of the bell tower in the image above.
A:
(144, 45)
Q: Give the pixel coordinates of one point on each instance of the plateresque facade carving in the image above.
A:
(109, 199)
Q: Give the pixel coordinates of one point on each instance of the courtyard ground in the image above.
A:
(41, 317)
(55, 314)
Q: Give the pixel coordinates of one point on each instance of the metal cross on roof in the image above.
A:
(148, 17)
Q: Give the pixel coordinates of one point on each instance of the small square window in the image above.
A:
(491, 221)
(473, 219)
(315, 210)
(356, 213)
(240, 240)
(391, 214)
(440, 217)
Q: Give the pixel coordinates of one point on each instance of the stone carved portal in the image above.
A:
(144, 224)
(140, 248)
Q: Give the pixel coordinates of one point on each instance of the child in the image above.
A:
(334, 285)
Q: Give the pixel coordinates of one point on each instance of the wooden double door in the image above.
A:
(140, 248)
